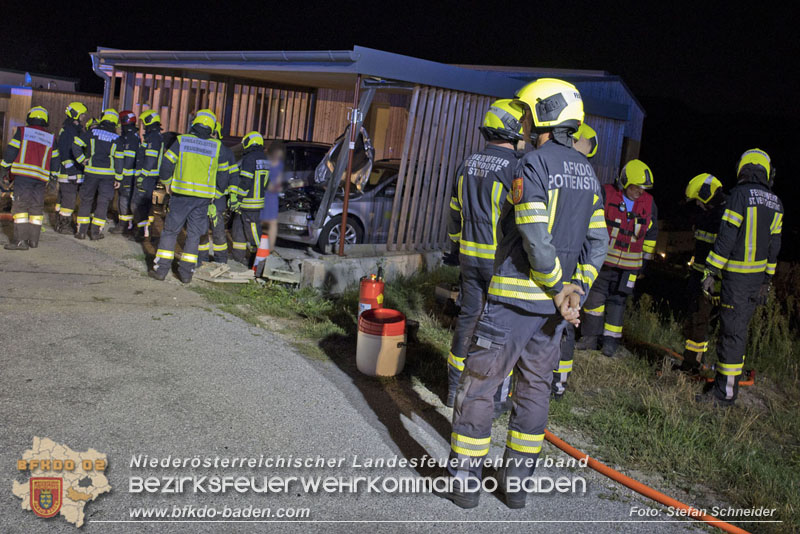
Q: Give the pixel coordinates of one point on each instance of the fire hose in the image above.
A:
(742, 383)
(640, 488)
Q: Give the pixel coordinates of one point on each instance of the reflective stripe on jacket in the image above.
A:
(253, 179)
(99, 151)
(30, 153)
(632, 235)
(191, 165)
(480, 189)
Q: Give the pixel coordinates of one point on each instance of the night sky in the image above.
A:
(714, 80)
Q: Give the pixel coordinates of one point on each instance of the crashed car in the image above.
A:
(368, 211)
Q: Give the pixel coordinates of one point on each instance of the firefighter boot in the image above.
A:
(587, 343)
(465, 493)
(119, 228)
(510, 479)
(610, 345)
(95, 233)
(33, 235)
(65, 224)
(18, 242)
(81, 233)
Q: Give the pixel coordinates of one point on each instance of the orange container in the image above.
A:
(370, 294)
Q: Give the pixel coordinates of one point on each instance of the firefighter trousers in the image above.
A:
(96, 191)
(191, 212)
(28, 209)
(67, 197)
(506, 339)
(142, 203)
(564, 366)
(606, 300)
(701, 312)
(245, 233)
(219, 240)
(124, 197)
(738, 303)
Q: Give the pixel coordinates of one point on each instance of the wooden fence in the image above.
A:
(442, 130)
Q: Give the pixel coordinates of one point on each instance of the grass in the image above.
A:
(636, 413)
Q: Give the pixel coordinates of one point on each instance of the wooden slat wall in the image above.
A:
(56, 102)
(275, 113)
(442, 129)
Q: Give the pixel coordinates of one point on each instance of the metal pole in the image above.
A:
(350, 147)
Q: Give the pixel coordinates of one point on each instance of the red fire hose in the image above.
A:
(748, 382)
(638, 487)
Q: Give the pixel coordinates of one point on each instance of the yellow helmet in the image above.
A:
(205, 117)
(553, 103)
(218, 130)
(585, 140)
(110, 115)
(91, 123)
(252, 139)
(38, 112)
(636, 172)
(149, 117)
(75, 110)
(703, 187)
(503, 120)
(756, 156)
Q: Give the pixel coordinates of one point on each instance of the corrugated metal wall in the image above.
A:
(610, 134)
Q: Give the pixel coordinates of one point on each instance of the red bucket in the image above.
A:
(382, 322)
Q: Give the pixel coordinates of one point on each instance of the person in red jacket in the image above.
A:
(28, 159)
(632, 223)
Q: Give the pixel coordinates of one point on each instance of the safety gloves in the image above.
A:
(212, 214)
(763, 293)
(233, 203)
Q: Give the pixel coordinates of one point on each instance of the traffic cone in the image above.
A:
(261, 255)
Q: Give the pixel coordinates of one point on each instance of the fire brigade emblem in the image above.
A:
(46, 495)
(516, 190)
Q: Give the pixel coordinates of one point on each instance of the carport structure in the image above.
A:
(424, 113)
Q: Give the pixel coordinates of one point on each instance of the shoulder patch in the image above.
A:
(516, 190)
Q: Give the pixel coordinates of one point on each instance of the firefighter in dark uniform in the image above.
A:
(253, 179)
(70, 172)
(189, 170)
(482, 183)
(28, 157)
(148, 162)
(745, 253)
(130, 148)
(100, 152)
(632, 222)
(216, 211)
(547, 257)
(585, 142)
(709, 200)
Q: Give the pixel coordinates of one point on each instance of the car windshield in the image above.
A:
(304, 159)
(378, 176)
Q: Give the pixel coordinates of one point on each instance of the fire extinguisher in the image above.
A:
(370, 294)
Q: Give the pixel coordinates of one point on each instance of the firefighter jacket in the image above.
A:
(227, 163)
(100, 151)
(253, 178)
(706, 223)
(482, 184)
(130, 147)
(191, 165)
(553, 229)
(632, 235)
(150, 152)
(749, 236)
(30, 153)
(68, 169)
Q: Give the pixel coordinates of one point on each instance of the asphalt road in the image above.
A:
(97, 355)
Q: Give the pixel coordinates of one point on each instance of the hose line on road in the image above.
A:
(640, 488)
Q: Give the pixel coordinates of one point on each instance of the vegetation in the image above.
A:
(636, 412)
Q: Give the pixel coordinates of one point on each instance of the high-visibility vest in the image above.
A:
(35, 147)
(196, 170)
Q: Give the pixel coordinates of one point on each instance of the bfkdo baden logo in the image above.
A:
(46, 493)
(62, 481)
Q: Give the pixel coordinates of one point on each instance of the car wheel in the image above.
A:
(331, 232)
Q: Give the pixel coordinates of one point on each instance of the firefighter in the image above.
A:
(253, 180)
(29, 157)
(216, 211)
(70, 172)
(194, 160)
(101, 152)
(148, 162)
(585, 142)
(632, 222)
(745, 252)
(130, 148)
(482, 184)
(705, 191)
(553, 242)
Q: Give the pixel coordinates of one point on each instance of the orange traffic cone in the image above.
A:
(261, 255)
